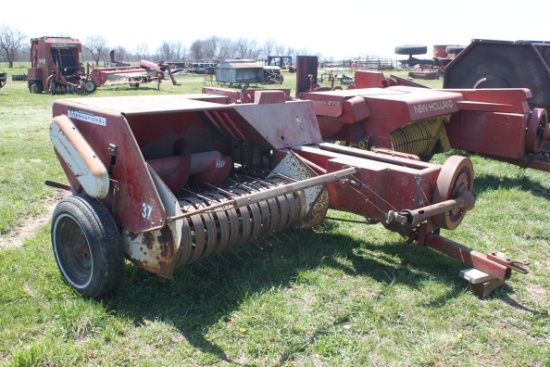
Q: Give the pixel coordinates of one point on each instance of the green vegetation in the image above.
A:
(342, 294)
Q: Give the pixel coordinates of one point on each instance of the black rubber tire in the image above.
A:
(411, 50)
(455, 49)
(35, 87)
(87, 246)
(90, 85)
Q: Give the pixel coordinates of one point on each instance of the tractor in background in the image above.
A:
(56, 68)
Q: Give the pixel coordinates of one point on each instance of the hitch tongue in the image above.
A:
(506, 261)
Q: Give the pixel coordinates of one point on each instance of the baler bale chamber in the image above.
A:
(166, 181)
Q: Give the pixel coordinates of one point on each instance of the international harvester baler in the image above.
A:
(166, 181)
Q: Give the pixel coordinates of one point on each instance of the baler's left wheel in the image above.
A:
(456, 175)
(87, 247)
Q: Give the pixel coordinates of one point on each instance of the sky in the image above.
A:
(332, 29)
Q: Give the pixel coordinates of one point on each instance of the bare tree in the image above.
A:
(242, 48)
(211, 47)
(197, 50)
(97, 47)
(253, 50)
(165, 51)
(11, 42)
(142, 51)
(269, 46)
(171, 51)
(178, 51)
(225, 49)
(121, 54)
(279, 50)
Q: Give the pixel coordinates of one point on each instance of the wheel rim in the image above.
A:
(537, 129)
(90, 86)
(73, 251)
(456, 175)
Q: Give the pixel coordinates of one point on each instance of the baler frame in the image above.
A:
(166, 181)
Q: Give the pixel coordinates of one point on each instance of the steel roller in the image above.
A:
(209, 232)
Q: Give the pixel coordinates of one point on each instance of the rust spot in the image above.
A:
(148, 240)
(317, 212)
(166, 242)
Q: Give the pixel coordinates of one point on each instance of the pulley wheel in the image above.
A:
(537, 130)
(456, 175)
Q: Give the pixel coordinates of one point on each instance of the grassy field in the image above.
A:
(342, 294)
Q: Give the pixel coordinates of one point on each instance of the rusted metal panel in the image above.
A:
(262, 124)
(90, 172)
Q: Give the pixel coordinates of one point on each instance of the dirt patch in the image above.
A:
(538, 294)
(31, 224)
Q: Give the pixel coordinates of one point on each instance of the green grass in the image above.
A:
(342, 294)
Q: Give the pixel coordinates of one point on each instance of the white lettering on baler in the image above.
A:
(146, 210)
(87, 117)
(433, 106)
(327, 103)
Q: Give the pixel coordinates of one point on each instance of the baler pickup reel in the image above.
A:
(166, 181)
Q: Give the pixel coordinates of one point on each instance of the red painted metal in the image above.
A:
(192, 175)
(467, 256)
(146, 72)
(55, 64)
(397, 114)
(374, 113)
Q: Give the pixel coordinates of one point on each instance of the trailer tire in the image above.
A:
(87, 246)
(411, 50)
(90, 85)
(35, 87)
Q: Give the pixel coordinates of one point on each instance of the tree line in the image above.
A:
(15, 46)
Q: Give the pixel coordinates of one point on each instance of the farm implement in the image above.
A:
(394, 113)
(56, 68)
(166, 181)
(133, 76)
